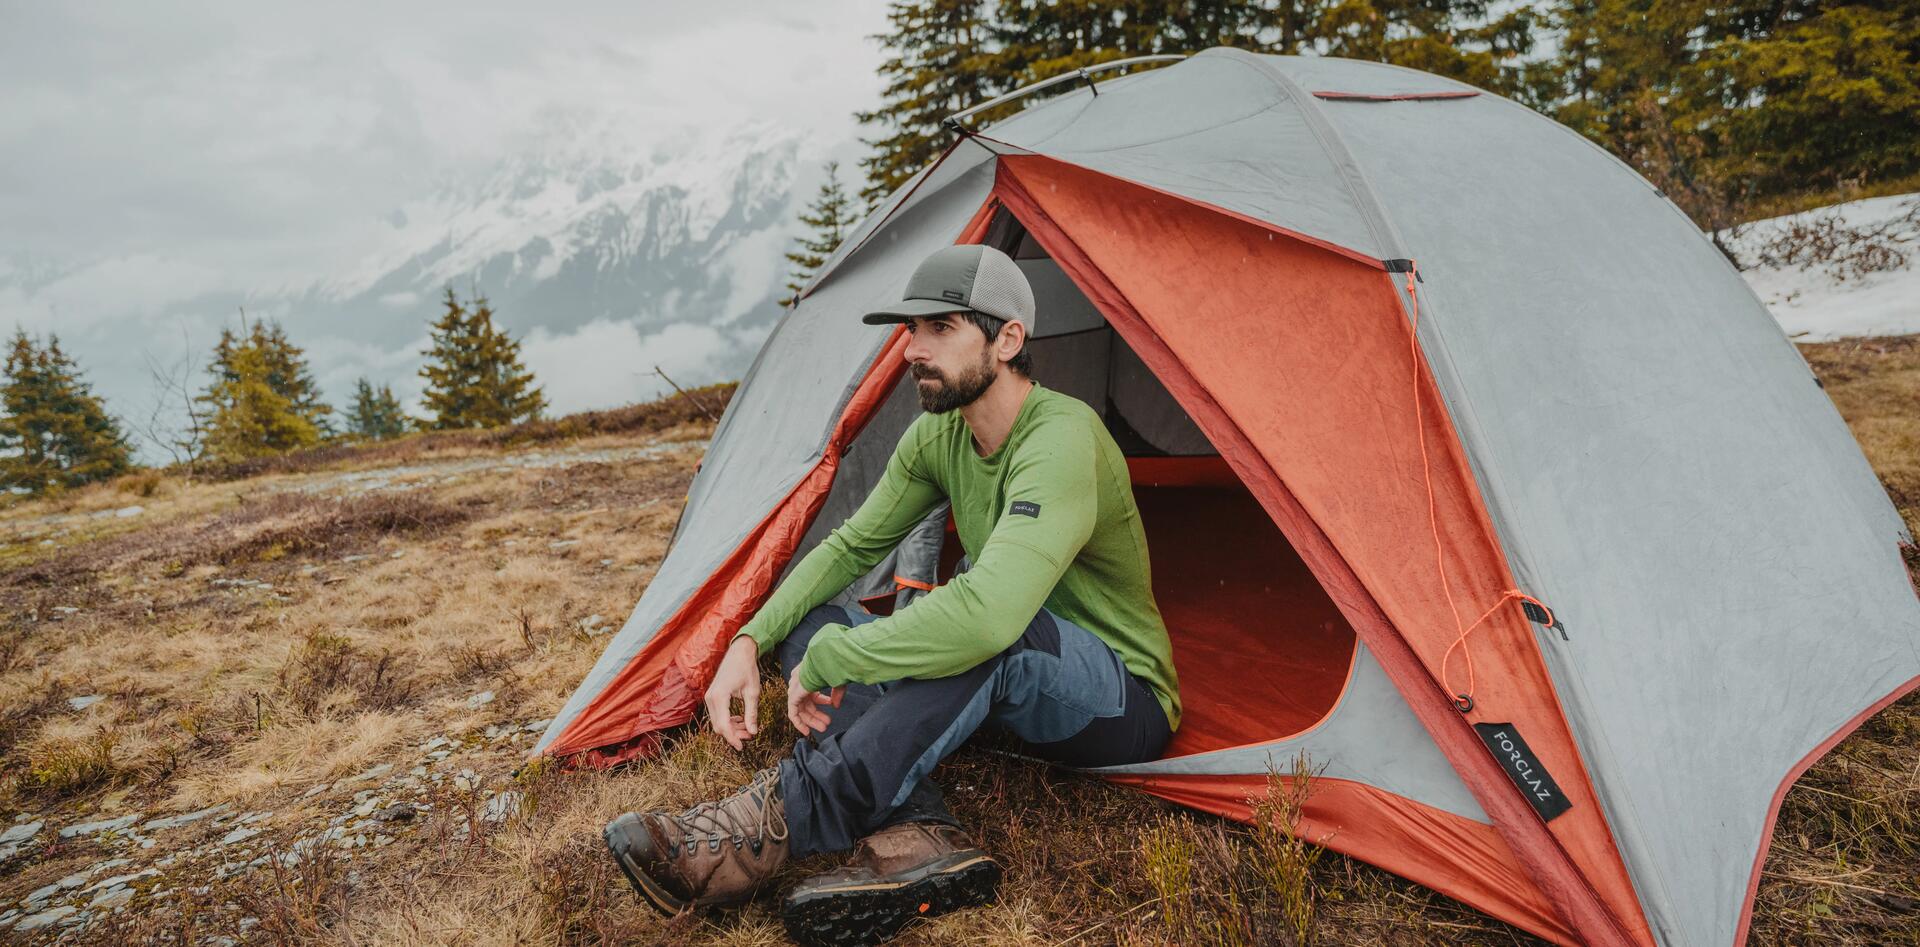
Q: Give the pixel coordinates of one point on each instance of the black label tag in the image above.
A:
(1024, 508)
(1525, 769)
(953, 295)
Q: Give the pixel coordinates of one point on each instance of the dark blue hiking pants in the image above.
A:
(1058, 690)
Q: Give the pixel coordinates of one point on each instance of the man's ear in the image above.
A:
(1013, 336)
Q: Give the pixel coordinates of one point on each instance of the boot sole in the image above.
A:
(649, 890)
(874, 912)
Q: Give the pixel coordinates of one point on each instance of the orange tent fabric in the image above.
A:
(1311, 395)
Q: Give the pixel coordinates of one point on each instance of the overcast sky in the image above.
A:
(199, 130)
(153, 151)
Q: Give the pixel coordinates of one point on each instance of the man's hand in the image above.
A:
(803, 706)
(738, 677)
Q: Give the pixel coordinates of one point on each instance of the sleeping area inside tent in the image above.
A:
(1261, 650)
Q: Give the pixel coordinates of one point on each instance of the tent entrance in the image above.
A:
(1262, 651)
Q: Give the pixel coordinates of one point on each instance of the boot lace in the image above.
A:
(717, 821)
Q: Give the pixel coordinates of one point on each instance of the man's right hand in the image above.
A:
(737, 678)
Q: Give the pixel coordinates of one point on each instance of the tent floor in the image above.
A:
(1262, 652)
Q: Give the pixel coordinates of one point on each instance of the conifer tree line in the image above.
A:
(54, 433)
(1723, 105)
(259, 399)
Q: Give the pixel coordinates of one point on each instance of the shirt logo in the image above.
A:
(1024, 508)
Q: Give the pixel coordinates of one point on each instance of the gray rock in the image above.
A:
(20, 833)
(537, 726)
(111, 898)
(372, 772)
(34, 922)
(435, 743)
(238, 835)
(105, 825)
(118, 881)
(83, 702)
(480, 700)
(366, 808)
(176, 821)
(398, 812)
(501, 807)
(127, 511)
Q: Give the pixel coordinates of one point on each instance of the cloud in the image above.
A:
(169, 164)
(606, 363)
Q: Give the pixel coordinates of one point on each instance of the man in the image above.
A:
(1052, 635)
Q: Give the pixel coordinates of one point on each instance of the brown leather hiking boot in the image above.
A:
(899, 873)
(713, 853)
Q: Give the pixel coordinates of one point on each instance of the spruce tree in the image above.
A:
(938, 62)
(262, 399)
(474, 375)
(55, 432)
(250, 418)
(376, 413)
(830, 216)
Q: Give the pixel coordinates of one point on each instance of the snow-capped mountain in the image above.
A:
(596, 226)
(606, 248)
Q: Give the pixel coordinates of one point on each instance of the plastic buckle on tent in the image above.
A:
(1402, 266)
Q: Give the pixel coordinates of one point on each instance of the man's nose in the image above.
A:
(915, 352)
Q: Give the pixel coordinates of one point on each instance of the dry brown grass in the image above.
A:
(259, 646)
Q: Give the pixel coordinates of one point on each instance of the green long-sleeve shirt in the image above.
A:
(1047, 520)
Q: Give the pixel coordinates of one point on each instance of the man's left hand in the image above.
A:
(804, 707)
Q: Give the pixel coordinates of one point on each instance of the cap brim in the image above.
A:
(910, 308)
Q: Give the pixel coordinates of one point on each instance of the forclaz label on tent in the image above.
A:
(1517, 758)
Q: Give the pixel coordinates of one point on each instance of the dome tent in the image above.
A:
(1470, 470)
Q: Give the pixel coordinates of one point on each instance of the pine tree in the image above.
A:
(262, 399)
(55, 432)
(830, 216)
(1803, 94)
(376, 413)
(939, 62)
(474, 376)
(948, 55)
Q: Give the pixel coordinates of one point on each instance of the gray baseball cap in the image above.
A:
(958, 278)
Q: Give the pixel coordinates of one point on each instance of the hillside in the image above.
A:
(284, 704)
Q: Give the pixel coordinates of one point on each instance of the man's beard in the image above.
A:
(957, 393)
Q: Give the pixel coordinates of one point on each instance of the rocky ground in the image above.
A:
(291, 702)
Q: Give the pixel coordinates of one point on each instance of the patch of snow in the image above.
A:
(82, 703)
(1811, 305)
